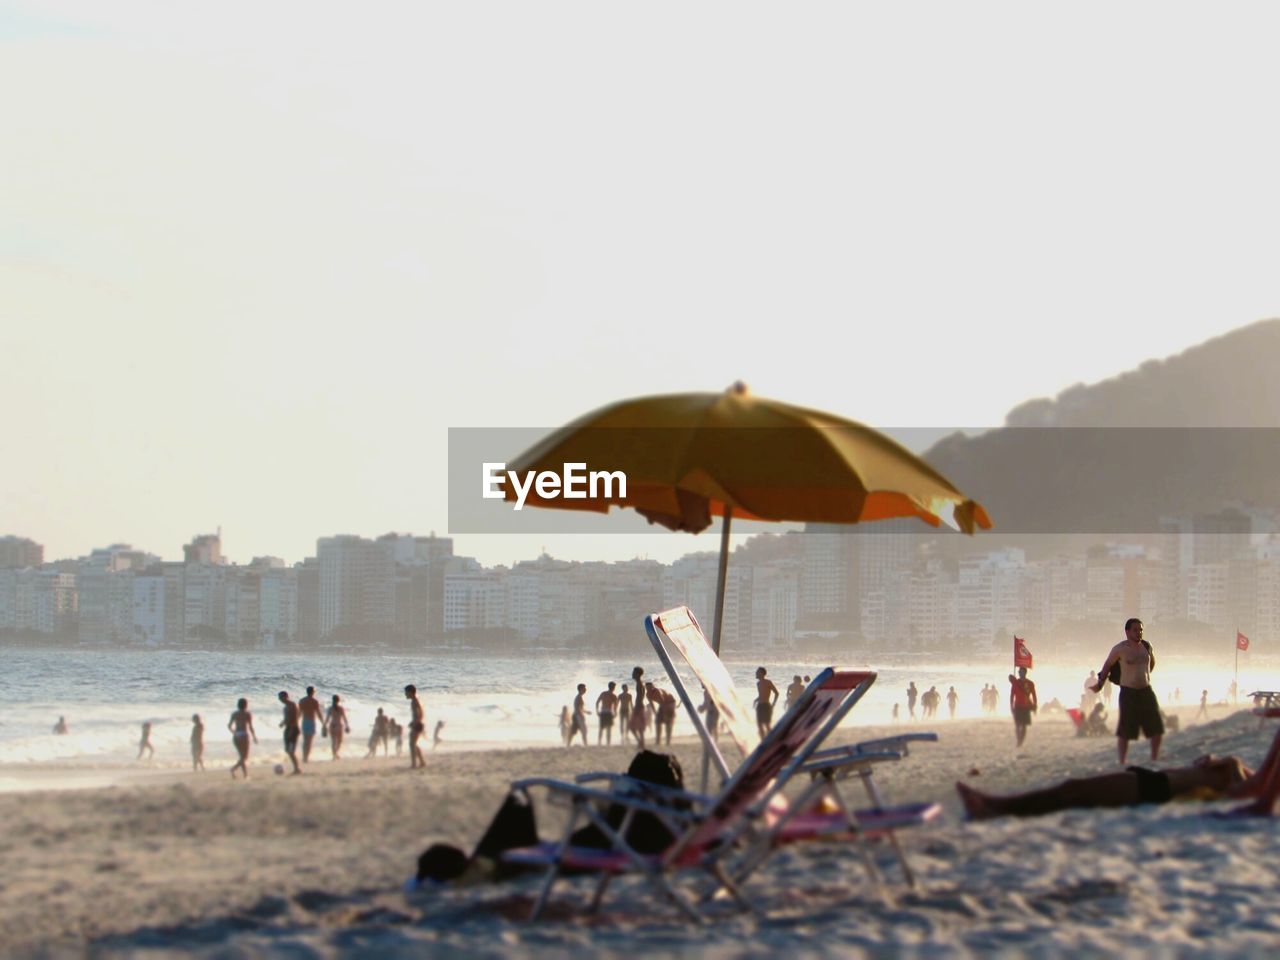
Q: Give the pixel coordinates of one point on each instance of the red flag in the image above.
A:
(1242, 642)
(1021, 655)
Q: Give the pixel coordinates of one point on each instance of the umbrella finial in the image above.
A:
(738, 389)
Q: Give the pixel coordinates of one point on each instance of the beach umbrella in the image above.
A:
(690, 457)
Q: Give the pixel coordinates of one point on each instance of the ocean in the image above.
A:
(486, 702)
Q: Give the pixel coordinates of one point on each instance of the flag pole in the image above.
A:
(1236, 681)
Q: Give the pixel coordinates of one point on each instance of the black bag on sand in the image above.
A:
(647, 833)
(512, 826)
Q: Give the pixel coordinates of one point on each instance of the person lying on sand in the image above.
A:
(1208, 778)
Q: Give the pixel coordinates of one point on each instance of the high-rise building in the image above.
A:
(19, 552)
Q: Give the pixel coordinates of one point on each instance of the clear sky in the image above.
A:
(256, 259)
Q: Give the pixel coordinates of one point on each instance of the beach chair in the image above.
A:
(706, 828)
(821, 811)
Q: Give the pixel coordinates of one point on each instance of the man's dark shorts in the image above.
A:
(606, 721)
(291, 735)
(764, 713)
(1022, 716)
(1139, 713)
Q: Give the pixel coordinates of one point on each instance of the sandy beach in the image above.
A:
(314, 865)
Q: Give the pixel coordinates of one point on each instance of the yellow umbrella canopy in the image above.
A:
(691, 456)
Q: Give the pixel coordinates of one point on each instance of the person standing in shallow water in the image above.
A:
(241, 727)
(912, 693)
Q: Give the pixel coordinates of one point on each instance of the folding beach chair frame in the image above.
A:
(706, 833)
(826, 768)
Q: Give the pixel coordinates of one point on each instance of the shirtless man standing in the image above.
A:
(417, 724)
(606, 706)
(312, 720)
(292, 730)
(766, 697)
(624, 712)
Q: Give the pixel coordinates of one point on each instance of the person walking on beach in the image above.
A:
(1022, 704)
(624, 713)
(435, 735)
(566, 724)
(144, 745)
(292, 730)
(606, 706)
(417, 726)
(197, 743)
(378, 736)
(794, 689)
(396, 732)
(952, 699)
(311, 712)
(336, 725)
(578, 723)
(639, 712)
(241, 727)
(766, 697)
(1204, 705)
(60, 728)
(1139, 709)
(912, 693)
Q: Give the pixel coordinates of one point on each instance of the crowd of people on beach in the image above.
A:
(300, 721)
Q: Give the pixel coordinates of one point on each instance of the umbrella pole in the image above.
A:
(722, 577)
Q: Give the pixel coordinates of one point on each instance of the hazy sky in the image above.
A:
(256, 259)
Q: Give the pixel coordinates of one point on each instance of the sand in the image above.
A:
(314, 865)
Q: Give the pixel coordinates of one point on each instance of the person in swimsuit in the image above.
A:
(312, 720)
(665, 714)
(766, 697)
(1208, 778)
(712, 719)
(606, 704)
(624, 712)
(241, 727)
(435, 735)
(912, 693)
(60, 728)
(197, 743)
(379, 734)
(292, 730)
(639, 711)
(144, 745)
(336, 725)
(416, 727)
(794, 689)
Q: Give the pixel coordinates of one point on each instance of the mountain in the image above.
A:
(1174, 437)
